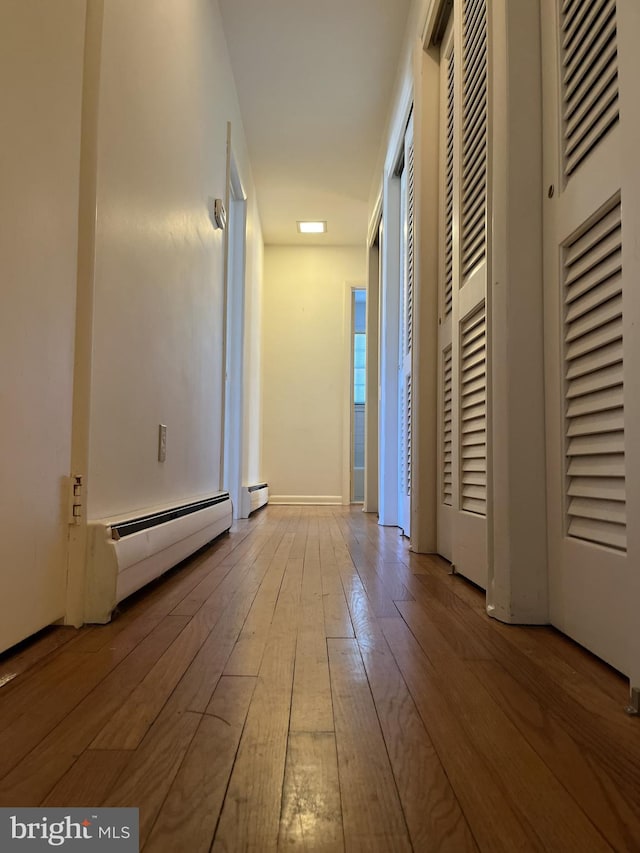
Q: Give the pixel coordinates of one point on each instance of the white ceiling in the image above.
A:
(314, 79)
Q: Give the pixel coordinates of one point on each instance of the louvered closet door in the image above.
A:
(407, 206)
(587, 287)
(448, 173)
(468, 290)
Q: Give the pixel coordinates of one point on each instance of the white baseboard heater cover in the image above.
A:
(125, 553)
(252, 498)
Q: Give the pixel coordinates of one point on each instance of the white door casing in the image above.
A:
(373, 379)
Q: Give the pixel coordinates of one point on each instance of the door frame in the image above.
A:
(347, 390)
(388, 438)
(232, 446)
(371, 434)
(405, 330)
(83, 346)
(517, 590)
(389, 399)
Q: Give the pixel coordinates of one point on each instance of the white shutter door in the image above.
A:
(591, 377)
(469, 330)
(406, 330)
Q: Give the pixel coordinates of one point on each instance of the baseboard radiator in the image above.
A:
(125, 553)
(252, 498)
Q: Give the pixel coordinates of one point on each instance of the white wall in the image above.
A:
(304, 369)
(41, 56)
(166, 94)
(143, 145)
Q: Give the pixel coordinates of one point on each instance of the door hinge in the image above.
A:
(76, 498)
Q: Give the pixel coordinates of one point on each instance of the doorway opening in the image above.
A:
(358, 392)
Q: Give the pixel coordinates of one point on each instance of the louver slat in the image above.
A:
(472, 12)
(607, 247)
(589, 77)
(589, 142)
(473, 421)
(474, 344)
(597, 445)
(592, 361)
(447, 427)
(475, 400)
(601, 315)
(602, 532)
(576, 93)
(475, 424)
(594, 424)
(474, 372)
(602, 401)
(477, 175)
(570, 19)
(470, 387)
(606, 511)
(609, 287)
(590, 383)
(599, 337)
(478, 254)
(595, 466)
(599, 489)
(596, 233)
(579, 40)
(472, 412)
(474, 438)
(474, 130)
(606, 268)
(604, 89)
(474, 136)
(477, 65)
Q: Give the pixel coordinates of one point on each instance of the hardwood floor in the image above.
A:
(308, 683)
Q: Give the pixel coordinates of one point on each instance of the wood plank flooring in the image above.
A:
(308, 683)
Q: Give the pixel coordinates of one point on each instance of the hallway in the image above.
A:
(308, 683)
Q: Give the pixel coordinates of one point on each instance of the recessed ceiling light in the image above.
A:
(312, 227)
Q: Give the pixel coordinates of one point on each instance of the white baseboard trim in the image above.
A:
(306, 500)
